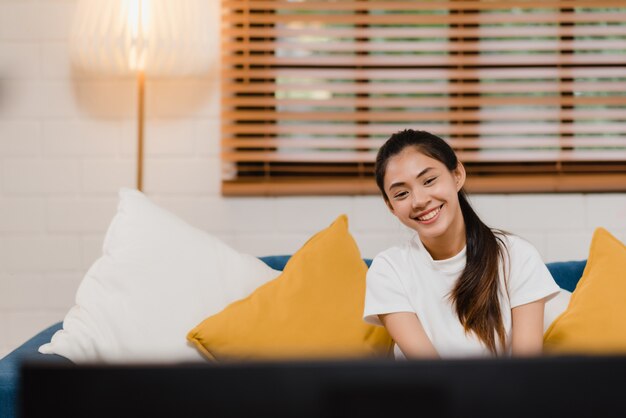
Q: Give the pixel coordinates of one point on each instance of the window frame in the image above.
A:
(264, 151)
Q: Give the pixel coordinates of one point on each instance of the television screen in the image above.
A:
(511, 387)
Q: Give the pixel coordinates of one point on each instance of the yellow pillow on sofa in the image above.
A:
(313, 309)
(595, 319)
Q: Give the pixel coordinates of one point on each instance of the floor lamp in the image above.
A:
(141, 38)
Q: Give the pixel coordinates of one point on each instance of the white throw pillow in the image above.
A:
(157, 278)
(555, 307)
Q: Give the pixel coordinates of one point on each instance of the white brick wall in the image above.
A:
(67, 144)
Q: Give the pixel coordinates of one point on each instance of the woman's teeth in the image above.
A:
(429, 215)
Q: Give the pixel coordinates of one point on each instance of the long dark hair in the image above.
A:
(475, 294)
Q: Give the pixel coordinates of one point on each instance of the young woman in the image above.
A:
(458, 288)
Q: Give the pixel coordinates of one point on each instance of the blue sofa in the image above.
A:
(565, 273)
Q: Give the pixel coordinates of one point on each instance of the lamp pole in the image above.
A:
(141, 80)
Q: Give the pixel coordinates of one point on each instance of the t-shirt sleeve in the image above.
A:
(529, 279)
(384, 292)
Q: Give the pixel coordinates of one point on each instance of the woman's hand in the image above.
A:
(527, 329)
(407, 331)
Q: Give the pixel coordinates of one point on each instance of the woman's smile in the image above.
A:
(429, 216)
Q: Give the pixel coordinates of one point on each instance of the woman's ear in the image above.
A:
(459, 175)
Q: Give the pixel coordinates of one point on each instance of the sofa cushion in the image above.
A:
(595, 319)
(157, 277)
(312, 310)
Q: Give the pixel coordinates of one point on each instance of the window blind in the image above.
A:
(530, 94)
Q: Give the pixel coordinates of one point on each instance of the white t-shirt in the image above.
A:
(407, 279)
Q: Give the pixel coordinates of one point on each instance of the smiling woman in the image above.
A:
(458, 288)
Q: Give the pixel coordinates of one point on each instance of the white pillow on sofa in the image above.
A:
(554, 307)
(156, 279)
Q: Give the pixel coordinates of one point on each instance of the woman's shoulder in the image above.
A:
(393, 251)
(396, 253)
(515, 245)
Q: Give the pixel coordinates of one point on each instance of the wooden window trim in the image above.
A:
(532, 97)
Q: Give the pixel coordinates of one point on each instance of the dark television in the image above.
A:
(533, 387)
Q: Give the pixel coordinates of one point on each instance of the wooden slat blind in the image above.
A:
(531, 94)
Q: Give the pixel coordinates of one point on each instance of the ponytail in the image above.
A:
(475, 294)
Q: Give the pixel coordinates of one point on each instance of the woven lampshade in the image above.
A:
(157, 37)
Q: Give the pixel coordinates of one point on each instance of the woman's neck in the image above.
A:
(447, 245)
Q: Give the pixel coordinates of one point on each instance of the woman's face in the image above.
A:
(422, 194)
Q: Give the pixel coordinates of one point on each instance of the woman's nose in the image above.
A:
(420, 199)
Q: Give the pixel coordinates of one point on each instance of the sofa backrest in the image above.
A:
(566, 273)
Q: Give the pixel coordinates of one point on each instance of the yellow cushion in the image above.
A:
(313, 309)
(595, 319)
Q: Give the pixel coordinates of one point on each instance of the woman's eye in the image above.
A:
(430, 180)
(400, 195)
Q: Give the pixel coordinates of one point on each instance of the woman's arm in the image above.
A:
(406, 330)
(527, 329)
